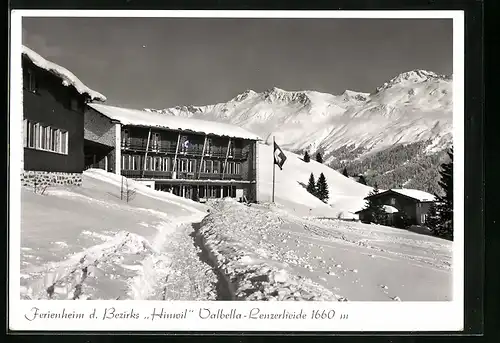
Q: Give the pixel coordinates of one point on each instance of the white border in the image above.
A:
(363, 316)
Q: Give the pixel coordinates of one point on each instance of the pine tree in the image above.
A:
(362, 180)
(311, 186)
(402, 221)
(433, 221)
(376, 210)
(322, 188)
(307, 158)
(445, 202)
(344, 172)
(319, 158)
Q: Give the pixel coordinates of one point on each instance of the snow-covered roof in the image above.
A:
(415, 194)
(68, 78)
(128, 116)
(390, 209)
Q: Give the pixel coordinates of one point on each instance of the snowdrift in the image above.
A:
(86, 243)
(345, 197)
(266, 253)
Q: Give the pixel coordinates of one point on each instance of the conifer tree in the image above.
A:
(433, 221)
(445, 202)
(311, 186)
(307, 158)
(344, 172)
(362, 180)
(403, 221)
(375, 209)
(319, 158)
(322, 188)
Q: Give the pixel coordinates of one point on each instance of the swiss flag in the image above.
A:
(279, 156)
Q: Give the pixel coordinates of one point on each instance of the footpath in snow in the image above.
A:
(87, 243)
(266, 253)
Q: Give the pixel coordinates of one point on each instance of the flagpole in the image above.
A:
(274, 169)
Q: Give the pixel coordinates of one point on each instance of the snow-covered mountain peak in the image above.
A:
(413, 106)
(245, 95)
(412, 77)
(353, 95)
(276, 94)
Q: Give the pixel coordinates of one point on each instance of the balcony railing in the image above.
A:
(216, 152)
(151, 174)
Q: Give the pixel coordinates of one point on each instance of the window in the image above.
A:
(237, 168)
(216, 167)
(423, 218)
(184, 142)
(230, 168)
(44, 137)
(231, 150)
(74, 105)
(166, 163)
(157, 164)
(29, 81)
(155, 141)
(136, 162)
(191, 166)
(208, 166)
(393, 201)
(208, 148)
(183, 165)
(125, 138)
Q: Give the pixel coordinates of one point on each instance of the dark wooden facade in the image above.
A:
(49, 105)
(415, 209)
(185, 162)
(161, 155)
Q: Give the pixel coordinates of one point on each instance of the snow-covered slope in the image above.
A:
(345, 195)
(86, 243)
(413, 106)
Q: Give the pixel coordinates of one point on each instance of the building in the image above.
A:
(414, 203)
(189, 157)
(53, 119)
(364, 215)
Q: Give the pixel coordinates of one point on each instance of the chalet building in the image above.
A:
(188, 157)
(413, 202)
(53, 119)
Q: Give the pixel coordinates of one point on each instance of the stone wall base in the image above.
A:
(31, 178)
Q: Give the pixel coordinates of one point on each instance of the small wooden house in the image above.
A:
(414, 203)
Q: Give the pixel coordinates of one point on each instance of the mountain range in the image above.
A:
(414, 107)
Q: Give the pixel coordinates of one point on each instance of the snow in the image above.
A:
(86, 243)
(390, 209)
(68, 78)
(252, 270)
(415, 194)
(270, 254)
(144, 118)
(346, 196)
(412, 107)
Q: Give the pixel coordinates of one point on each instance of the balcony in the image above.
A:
(147, 174)
(167, 175)
(237, 154)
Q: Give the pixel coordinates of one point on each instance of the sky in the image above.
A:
(167, 62)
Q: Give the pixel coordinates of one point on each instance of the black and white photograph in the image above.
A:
(226, 158)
